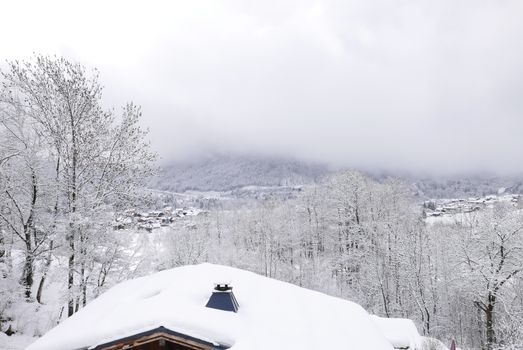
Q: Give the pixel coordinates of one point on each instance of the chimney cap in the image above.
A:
(222, 287)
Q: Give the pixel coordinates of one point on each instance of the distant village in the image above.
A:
(149, 220)
(155, 219)
(442, 207)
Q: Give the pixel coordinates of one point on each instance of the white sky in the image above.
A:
(390, 84)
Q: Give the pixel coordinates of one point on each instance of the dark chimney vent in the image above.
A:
(222, 298)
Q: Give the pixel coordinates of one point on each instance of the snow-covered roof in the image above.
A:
(271, 313)
(400, 332)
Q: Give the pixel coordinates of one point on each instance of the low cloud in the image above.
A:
(410, 85)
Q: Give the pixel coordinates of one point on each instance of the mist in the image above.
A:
(420, 86)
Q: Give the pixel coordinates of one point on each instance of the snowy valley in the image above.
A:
(292, 234)
(244, 175)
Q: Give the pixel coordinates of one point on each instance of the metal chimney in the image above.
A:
(222, 298)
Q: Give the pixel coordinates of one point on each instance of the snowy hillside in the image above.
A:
(228, 172)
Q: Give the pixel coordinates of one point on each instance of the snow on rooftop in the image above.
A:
(271, 312)
(400, 332)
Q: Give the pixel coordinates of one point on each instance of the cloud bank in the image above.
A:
(399, 85)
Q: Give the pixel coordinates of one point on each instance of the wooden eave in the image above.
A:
(158, 334)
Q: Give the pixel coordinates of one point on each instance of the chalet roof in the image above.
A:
(271, 312)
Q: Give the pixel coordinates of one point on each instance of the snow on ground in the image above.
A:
(32, 318)
(433, 344)
(271, 312)
(400, 332)
(403, 334)
(452, 219)
(15, 342)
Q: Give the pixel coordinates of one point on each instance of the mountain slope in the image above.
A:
(228, 172)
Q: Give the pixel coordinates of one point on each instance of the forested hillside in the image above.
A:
(222, 172)
(226, 172)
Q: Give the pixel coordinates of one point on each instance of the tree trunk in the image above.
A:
(489, 316)
(27, 273)
(70, 277)
(29, 230)
(44, 275)
(49, 255)
(83, 278)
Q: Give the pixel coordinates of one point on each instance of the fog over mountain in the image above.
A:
(226, 172)
(219, 172)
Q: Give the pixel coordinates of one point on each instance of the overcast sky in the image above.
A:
(392, 84)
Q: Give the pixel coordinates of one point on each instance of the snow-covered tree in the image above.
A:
(101, 158)
(493, 259)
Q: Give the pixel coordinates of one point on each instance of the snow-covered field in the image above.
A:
(15, 342)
